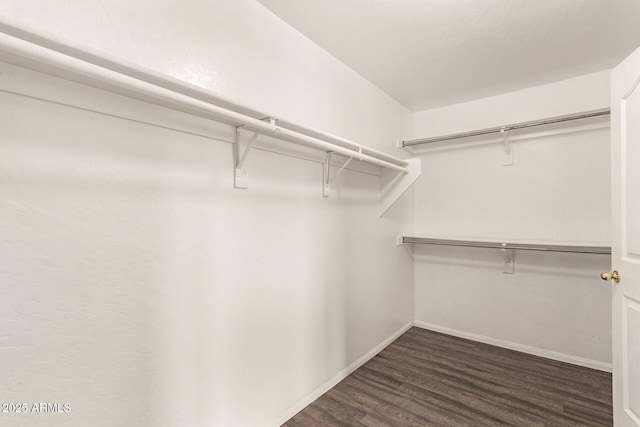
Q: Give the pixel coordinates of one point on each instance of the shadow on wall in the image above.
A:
(133, 268)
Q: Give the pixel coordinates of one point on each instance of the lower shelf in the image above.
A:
(527, 246)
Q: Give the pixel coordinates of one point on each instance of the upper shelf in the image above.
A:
(29, 48)
(506, 128)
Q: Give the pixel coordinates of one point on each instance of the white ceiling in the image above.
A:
(430, 53)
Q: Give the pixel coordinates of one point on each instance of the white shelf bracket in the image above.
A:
(333, 178)
(508, 255)
(507, 158)
(393, 184)
(326, 175)
(241, 177)
(327, 178)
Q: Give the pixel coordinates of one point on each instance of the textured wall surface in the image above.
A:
(137, 285)
(557, 190)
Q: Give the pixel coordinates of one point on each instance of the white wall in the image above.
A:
(137, 284)
(584, 93)
(557, 190)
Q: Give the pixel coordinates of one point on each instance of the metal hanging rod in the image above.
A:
(500, 129)
(605, 250)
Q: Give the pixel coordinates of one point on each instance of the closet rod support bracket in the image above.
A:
(507, 158)
(327, 178)
(240, 178)
(326, 175)
(508, 255)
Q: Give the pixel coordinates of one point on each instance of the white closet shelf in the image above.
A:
(29, 48)
(527, 245)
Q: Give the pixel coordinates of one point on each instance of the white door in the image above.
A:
(625, 257)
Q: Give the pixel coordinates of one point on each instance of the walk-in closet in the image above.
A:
(263, 213)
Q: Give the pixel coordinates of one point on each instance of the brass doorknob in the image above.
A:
(615, 276)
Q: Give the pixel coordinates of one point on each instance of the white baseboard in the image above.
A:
(562, 357)
(305, 401)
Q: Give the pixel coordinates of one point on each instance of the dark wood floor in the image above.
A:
(429, 379)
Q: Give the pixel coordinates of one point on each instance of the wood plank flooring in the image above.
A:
(425, 378)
